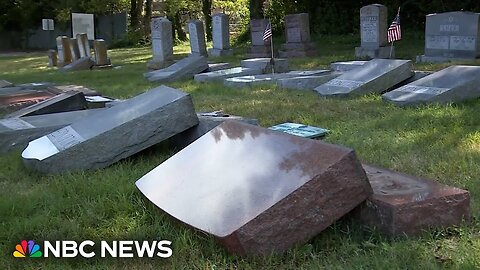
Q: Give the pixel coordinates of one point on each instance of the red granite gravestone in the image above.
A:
(258, 191)
(404, 204)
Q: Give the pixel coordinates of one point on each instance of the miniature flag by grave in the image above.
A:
(300, 130)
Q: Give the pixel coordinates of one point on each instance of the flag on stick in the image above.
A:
(395, 31)
(268, 32)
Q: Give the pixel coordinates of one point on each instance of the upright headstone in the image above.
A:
(162, 43)
(196, 34)
(452, 84)
(52, 58)
(450, 36)
(101, 57)
(220, 35)
(74, 50)
(260, 47)
(376, 76)
(373, 33)
(297, 33)
(299, 189)
(64, 52)
(116, 133)
(83, 45)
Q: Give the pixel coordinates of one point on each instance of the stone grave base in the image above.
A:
(218, 52)
(439, 59)
(217, 66)
(259, 51)
(297, 50)
(346, 65)
(382, 52)
(264, 64)
(157, 64)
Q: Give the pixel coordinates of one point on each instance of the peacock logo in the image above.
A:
(27, 249)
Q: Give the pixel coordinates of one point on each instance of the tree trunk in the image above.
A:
(148, 16)
(177, 27)
(133, 15)
(206, 9)
(256, 11)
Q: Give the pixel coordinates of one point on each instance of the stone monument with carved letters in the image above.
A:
(373, 33)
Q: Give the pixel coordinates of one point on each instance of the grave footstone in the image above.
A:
(260, 47)
(162, 43)
(376, 76)
(220, 35)
(306, 82)
(64, 52)
(265, 64)
(101, 57)
(407, 205)
(245, 81)
(221, 75)
(183, 69)
(4, 83)
(373, 33)
(83, 46)
(297, 33)
(451, 36)
(452, 84)
(52, 58)
(301, 130)
(116, 133)
(346, 65)
(64, 102)
(196, 34)
(257, 191)
(74, 50)
(16, 133)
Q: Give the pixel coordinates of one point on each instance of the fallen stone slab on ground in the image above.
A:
(183, 69)
(346, 65)
(4, 83)
(244, 81)
(85, 63)
(307, 82)
(220, 75)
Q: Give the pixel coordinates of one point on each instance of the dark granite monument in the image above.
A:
(297, 33)
(260, 47)
(373, 33)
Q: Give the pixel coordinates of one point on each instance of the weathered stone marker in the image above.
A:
(64, 102)
(404, 204)
(101, 57)
(260, 47)
(118, 132)
(220, 35)
(16, 133)
(258, 191)
(376, 76)
(183, 69)
(265, 64)
(74, 50)
(83, 45)
(269, 78)
(452, 84)
(450, 36)
(221, 75)
(162, 43)
(84, 63)
(64, 52)
(346, 65)
(196, 33)
(306, 82)
(52, 58)
(373, 33)
(297, 33)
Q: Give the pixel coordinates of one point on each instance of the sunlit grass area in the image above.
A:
(441, 142)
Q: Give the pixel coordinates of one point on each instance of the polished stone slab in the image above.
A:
(183, 69)
(407, 205)
(116, 133)
(376, 76)
(452, 84)
(258, 191)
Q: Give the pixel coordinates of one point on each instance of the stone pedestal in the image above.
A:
(196, 34)
(162, 43)
(220, 36)
(370, 53)
(260, 47)
(373, 33)
(297, 33)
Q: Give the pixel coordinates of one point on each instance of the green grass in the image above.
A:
(439, 142)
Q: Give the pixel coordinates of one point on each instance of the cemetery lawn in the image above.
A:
(438, 142)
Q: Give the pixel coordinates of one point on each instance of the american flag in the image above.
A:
(394, 31)
(268, 32)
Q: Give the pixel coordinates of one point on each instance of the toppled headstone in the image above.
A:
(274, 191)
(451, 36)
(183, 69)
(35, 85)
(18, 97)
(217, 66)
(376, 76)
(84, 63)
(64, 102)
(269, 78)
(404, 204)
(452, 84)
(16, 133)
(162, 43)
(78, 88)
(98, 101)
(306, 82)
(64, 52)
(116, 133)
(196, 34)
(300, 130)
(265, 64)
(207, 122)
(220, 35)
(101, 57)
(297, 33)
(52, 58)
(220, 75)
(260, 47)
(418, 74)
(346, 65)
(4, 83)
(373, 33)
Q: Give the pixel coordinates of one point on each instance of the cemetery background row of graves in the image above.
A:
(299, 197)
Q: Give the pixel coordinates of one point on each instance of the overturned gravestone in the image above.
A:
(265, 64)
(301, 187)
(15, 98)
(417, 75)
(269, 78)
(162, 43)
(404, 204)
(376, 76)
(118, 132)
(207, 122)
(16, 133)
(220, 35)
(346, 65)
(64, 102)
(4, 83)
(306, 82)
(452, 84)
(183, 69)
(220, 75)
(84, 63)
(217, 66)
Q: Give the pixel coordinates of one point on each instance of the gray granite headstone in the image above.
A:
(74, 50)
(220, 75)
(451, 35)
(17, 132)
(307, 82)
(83, 45)
(116, 133)
(162, 43)
(101, 57)
(183, 69)
(260, 47)
(280, 64)
(269, 78)
(84, 63)
(376, 76)
(346, 65)
(196, 34)
(373, 32)
(220, 35)
(452, 84)
(297, 33)
(64, 52)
